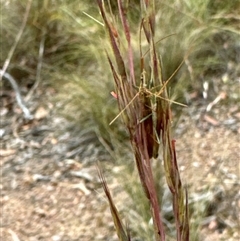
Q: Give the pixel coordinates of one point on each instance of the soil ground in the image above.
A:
(49, 193)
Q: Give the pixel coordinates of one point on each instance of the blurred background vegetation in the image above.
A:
(73, 48)
(66, 40)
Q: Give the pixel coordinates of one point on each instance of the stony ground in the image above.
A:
(50, 192)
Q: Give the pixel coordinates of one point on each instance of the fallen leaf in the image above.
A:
(3, 111)
(14, 235)
(238, 115)
(212, 225)
(211, 120)
(7, 152)
(82, 188)
(41, 113)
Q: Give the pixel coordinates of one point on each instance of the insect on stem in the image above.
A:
(124, 109)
